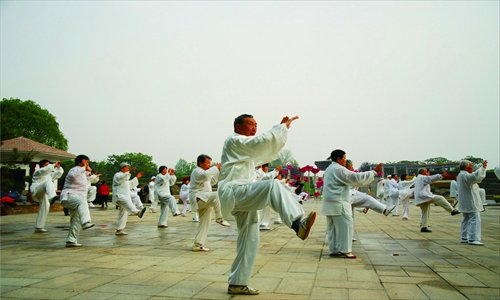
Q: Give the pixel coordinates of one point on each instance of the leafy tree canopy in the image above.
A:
(111, 165)
(184, 168)
(437, 160)
(285, 157)
(28, 119)
(474, 160)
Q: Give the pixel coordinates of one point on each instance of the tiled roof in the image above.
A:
(26, 145)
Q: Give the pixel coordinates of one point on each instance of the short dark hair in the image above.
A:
(403, 176)
(161, 168)
(337, 153)
(42, 162)
(80, 158)
(201, 159)
(239, 119)
(265, 165)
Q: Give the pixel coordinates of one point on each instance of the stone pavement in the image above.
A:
(395, 260)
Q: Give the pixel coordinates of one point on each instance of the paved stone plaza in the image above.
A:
(395, 260)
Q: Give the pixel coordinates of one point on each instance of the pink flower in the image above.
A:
(317, 194)
(315, 170)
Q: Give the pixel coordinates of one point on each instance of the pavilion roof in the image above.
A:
(25, 145)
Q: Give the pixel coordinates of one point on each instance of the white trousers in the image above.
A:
(79, 214)
(125, 206)
(136, 200)
(393, 200)
(265, 216)
(404, 196)
(91, 193)
(365, 200)
(153, 200)
(42, 192)
(185, 202)
(339, 230)
(471, 227)
(170, 202)
(205, 213)
(248, 199)
(426, 208)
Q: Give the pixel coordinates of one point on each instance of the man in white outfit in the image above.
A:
(380, 189)
(393, 199)
(184, 196)
(43, 190)
(470, 203)
(74, 198)
(164, 180)
(151, 195)
(386, 187)
(121, 197)
(242, 195)
(338, 181)
(424, 198)
(203, 199)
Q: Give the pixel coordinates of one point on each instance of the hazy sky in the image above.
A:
(382, 80)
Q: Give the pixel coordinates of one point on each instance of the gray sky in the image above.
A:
(384, 81)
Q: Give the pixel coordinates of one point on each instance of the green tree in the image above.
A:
(437, 160)
(28, 119)
(111, 165)
(474, 160)
(184, 168)
(285, 157)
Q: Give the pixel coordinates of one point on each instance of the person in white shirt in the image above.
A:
(92, 189)
(405, 192)
(242, 195)
(164, 180)
(470, 203)
(134, 195)
(338, 181)
(380, 189)
(74, 198)
(203, 199)
(121, 197)
(387, 187)
(43, 190)
(184, 196)
(424, 198)
(151, 195)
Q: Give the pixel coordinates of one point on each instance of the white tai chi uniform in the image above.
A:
(337, 204)
(405, 192)
(203, 200)
(184, 196)
(243, 196)
(454, 189)
(43, 189)
(470, 203)
(393, 196)
(134, 196)
(121, 198)
(424, 198)
(152, 197)
(165, 198)
(74, 198)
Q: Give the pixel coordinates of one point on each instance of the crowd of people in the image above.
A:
(248, 191)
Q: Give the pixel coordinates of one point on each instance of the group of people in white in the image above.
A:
(245, 191)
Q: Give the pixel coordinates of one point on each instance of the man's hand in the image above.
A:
(288, 121)
(485, 164)
(171, 171)
(58, 164)
(218, 165)
(378, 168)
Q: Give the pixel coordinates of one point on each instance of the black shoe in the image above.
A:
(454, 212)
(53, 200)
(425, 229)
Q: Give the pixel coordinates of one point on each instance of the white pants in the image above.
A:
(426, 208)
(339, 231)
(153, 200)
(205, 213)
(185, 202)
(91, 193)
(42, 192)
(125, 206)
(471, 227)
(365, 200)
(393, 200)
(136, 200)
(79, 214)
(167, 201)
(404, 196)
(265, 216)
(248, 199)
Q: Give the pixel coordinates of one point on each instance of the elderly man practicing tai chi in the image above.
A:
(243, 195)
(203, 199)
(470, 203)
(424, 198)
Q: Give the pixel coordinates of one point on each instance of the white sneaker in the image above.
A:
(476, 243)
(91, 204)
(199, 249)
(120, 232)
(388, 211)
(87, 225)
(40, 230)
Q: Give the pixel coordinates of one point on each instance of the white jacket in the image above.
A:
(469, 199)
(423, 188)
(163, 184)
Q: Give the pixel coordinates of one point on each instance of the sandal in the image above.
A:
(365, 210)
